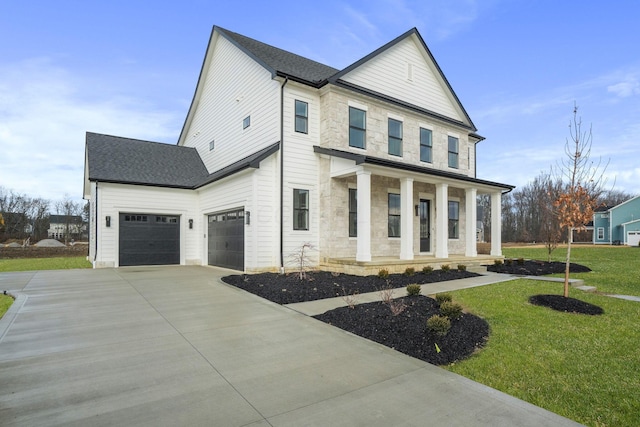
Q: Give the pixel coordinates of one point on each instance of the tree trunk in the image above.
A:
(567, 265)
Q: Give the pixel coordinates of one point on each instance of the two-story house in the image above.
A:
(372, 163)
(618, 224)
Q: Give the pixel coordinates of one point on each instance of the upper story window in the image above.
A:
(454, 219)
(353, 212)
(394, 215)
(302, 117)
(246, 122)
(212, 145)
(300, 209)
(357, 127)
(426, 145)
(453, 152)
(395, 137)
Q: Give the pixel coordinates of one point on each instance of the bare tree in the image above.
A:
(71, 213)
(583, 181)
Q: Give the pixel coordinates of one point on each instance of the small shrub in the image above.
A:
(409, 271)
(427, 269)
(445, 267)
(386, 294)
(462, 267)
(439, 325)
(451, 310)
(350, 299)
(520, 261)
(413, 289)
(440, 298)
(383, 273)
(397, 306)
(508, 261)
(497, 262)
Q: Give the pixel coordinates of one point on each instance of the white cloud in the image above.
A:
(629, 87)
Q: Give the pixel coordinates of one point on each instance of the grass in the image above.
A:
(60, 263)
(606, 262)
(5, 303)
(582, 367)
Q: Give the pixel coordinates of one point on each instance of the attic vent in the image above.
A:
(409, 71)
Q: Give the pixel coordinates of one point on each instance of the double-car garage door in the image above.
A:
(149, 239)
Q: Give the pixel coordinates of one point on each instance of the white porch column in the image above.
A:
(471, 204)
(406, 218)
(496, 224)
(363, 248)
(442, 221)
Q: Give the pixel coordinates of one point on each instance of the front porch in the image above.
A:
(395, 265)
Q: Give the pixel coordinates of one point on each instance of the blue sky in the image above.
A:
(129, 68)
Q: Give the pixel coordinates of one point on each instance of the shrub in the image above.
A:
(520, 261)
(508, 261)
(413, 289)
(440, 298)
(497, 262)
(409, 271)
(427, 269)
(445, 267)
(451, 310)
(439, 325)
(462, 267)
(383, 273)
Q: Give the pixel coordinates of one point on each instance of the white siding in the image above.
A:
(301, 169)
(234, 86)
(387, 73)
(117, 198)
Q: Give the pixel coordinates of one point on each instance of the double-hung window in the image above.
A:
(353, 212)
(395, 137)
(302, 117)
(453, 152)
(394, 215)
(454, 219)
(600, 233)
(300, 209)
(357, 127)
(426, 145)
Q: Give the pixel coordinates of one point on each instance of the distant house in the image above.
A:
(65, 225)
(618, 224)
(377, 160)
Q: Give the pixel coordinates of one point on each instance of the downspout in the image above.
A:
(95, 243)
(286, 80)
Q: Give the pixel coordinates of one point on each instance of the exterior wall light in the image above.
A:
(108, 221)
(190, 224)
(247, 215)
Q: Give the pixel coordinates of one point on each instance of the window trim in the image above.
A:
(363, 130)
(390, 215)
(429, 146)
(394, 138)
(303, 118)
(353, 210)
(456, 153)
(453, 221)
(599, 236)
(298, 210)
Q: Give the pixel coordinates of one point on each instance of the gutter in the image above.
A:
(286, 80)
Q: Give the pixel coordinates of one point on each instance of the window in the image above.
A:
(426, 145)
(211, 145)
(246, 122)
(454, 220)
(394, 215)
(600, 233)
(357, 127)
(302, 117)
(300, 209)
(353, 212)
(395, 137)
(453, 152)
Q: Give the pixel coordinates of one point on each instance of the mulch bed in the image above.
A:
(407, 332)
(567, 305)
(535, 268)
(44, 252)
(287, 289)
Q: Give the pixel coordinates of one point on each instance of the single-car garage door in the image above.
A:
(149, 239)
(226, 239)
(633, 238)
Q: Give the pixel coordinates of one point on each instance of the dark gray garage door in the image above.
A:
(149, 239)
(226, 239)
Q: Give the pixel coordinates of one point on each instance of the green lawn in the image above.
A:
(615, 268)
(60, 263)
(586, 368)
(5, 302)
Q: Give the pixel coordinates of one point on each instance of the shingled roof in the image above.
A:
(280, 62)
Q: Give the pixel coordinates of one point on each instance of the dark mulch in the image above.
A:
(568, 305)
(408, 333)
(536, 268)
(287, 289)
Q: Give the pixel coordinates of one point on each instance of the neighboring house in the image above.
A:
(618, 224)
(375, 160)
(59, 224)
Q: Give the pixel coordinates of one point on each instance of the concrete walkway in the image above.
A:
(174, 346)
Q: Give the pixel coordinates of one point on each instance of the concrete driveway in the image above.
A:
(175, 346)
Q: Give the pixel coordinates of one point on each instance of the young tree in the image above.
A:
(583, 181)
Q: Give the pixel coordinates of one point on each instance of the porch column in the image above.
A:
(442, 221)
(363, 247)
(471, 204)
(406, 218)
(496, 224)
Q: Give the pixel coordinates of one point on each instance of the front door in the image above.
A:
(425, 227)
